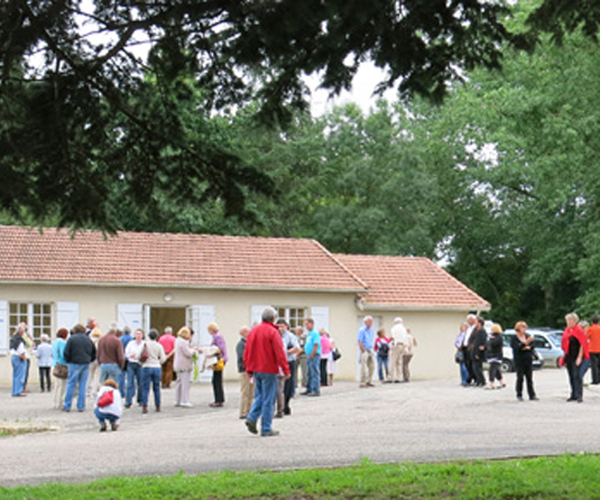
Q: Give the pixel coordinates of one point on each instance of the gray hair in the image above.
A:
(269, 314)
(44, 337)
(366, 318)
(398, 320)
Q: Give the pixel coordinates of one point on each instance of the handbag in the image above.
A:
(60, 370)
(106, 399)
(459, 357)
(144, 354)
(219, 366)
(336, 354)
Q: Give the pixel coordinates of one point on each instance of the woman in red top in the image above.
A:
(575, 347)
(382, 349)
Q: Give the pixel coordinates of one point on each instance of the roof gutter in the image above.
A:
(181, 286)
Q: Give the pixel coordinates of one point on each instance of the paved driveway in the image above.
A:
(420, 421)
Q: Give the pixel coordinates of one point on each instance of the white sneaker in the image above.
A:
(186, 405)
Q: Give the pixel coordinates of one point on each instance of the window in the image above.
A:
(37, 316)
(295, 316)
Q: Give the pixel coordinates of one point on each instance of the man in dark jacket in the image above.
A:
(479, 341)
(79, 353)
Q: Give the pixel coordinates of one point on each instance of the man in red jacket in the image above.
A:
(264, 359)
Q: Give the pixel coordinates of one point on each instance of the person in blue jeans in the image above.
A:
(151, 371)
(79, 353)
(107, 410)
(312, 348)
(382, 349)
(18, 361)
(134, 368)
(264, 358)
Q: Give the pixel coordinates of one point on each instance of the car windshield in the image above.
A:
(555, 338)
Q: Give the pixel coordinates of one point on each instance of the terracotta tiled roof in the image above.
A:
(410, 282)
(26, 255)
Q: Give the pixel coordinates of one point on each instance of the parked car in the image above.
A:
(508, 363)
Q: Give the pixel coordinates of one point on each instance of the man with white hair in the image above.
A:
(400, 341)
(264, 357)
(366, 343)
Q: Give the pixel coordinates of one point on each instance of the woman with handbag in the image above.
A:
(217, 378)
(60, 370)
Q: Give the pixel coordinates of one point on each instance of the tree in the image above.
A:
(523, 218)
(77, 115)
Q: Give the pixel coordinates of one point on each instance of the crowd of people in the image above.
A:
(580, 345)
(393, 353)
(119, 368)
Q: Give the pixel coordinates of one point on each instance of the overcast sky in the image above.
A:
(364, 83)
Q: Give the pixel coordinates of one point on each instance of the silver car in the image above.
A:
(508, 363)
(546, 342)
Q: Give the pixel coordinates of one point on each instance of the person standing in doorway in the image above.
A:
(366, 343)
(167, 340)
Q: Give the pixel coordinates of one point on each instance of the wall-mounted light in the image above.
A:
(167, 297)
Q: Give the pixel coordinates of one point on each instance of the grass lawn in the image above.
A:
(563, 477)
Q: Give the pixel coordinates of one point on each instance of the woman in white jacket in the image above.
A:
(183, 365)
(111, 411)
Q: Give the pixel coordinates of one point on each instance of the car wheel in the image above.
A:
(507, 366)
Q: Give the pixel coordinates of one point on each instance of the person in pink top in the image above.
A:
(325, 355)
(167, 340)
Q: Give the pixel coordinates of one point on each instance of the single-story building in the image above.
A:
(52, 279)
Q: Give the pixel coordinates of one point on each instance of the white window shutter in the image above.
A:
(131, 315)
(321, 317)
(67, 315)
(198, 317)
(4, 327)
(256, 315)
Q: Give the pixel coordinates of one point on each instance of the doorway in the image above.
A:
(161, 317)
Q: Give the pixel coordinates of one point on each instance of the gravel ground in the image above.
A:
(421, 421)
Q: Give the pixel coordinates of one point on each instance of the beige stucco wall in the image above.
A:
(232, 309)
(435, 332)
